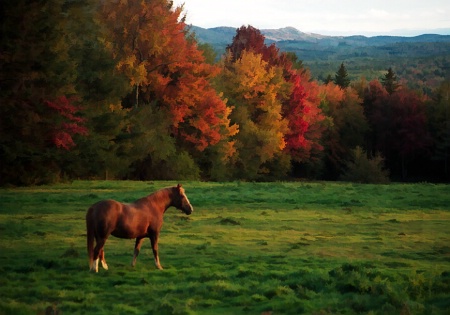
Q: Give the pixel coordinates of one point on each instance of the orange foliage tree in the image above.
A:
(298, 97)
(168, 72)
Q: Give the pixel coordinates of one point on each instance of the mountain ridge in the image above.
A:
(225, 34)
(422, 60)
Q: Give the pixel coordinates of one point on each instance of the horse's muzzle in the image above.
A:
(189, 210)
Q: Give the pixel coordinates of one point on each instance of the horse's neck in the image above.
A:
(161, 198)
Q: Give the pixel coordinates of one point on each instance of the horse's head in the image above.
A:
(181, 201)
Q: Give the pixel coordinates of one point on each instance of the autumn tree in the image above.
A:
(300, 101)
(399, 127)
(247, 38)
(252, 88)
(306, 119)
(167, 71)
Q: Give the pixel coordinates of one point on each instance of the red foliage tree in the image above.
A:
(300, 104)
(399, 124)
(246, 38)
(305, 119)
(65, 122)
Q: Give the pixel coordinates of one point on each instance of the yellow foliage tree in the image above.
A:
(254, 89)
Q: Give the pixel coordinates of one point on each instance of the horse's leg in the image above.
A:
(98, 248)
(154, 241)
(137, 248)
(102, 259)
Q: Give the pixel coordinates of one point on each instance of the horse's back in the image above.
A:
(119, 219)
(104, 213)
(105, 207)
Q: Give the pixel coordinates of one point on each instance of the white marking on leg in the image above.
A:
(104, 265)
(96, 265)
(157, 263)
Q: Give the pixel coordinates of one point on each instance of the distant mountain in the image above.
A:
(215, 35)
(422, 60)
(221, 36)
(290, 33)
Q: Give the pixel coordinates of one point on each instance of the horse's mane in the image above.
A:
(160, 194)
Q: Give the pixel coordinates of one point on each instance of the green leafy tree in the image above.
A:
(341, 77)
(101, 89)
(362, 169)
(346, 129)
(208, 52)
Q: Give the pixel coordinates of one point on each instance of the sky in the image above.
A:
(327, 17)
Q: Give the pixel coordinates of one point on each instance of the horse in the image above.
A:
(138, 220)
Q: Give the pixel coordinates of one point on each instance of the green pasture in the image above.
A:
(248, 248)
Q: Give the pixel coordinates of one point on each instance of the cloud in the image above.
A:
(345, 16)
(379, 14)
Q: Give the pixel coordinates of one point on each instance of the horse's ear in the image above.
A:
(179, 186)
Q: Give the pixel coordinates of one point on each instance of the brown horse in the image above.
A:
(140, 219)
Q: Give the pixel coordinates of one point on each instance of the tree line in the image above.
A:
(122, 89)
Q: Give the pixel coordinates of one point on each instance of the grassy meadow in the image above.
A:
(248, 248)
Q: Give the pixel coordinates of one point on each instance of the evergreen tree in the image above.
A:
(389, 81)
(347, 129)
(362, 169)
(38, 115)
(328, 79)
(341, 77)
(439, 126)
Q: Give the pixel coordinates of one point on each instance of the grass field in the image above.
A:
(248, 248)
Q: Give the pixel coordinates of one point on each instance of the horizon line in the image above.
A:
(396, 32)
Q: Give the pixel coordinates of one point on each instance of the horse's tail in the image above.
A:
(90, 228)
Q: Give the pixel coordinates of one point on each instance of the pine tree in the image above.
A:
(341, 78)
(36, 119)
(328, 79)
(439, 122)
(389, 81)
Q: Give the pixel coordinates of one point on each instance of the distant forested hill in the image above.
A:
(421, 61)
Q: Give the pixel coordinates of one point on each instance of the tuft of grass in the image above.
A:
(229, 221)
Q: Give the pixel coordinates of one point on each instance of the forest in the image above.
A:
(124, 90)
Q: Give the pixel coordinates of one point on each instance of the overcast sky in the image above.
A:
(328, 17)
